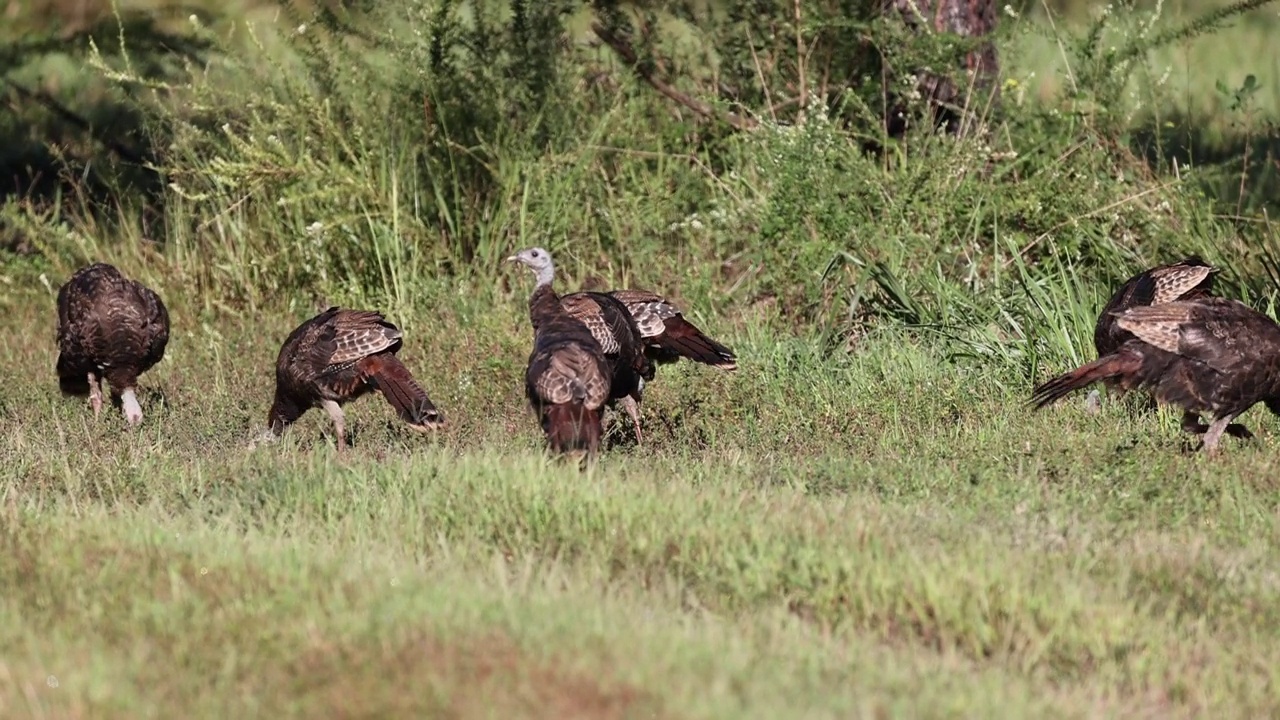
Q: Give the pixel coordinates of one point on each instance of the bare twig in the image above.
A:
(628, 53)
(764, 84)
(802, 59)
(1238, 218)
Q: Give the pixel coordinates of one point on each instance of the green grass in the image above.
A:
(874, 535)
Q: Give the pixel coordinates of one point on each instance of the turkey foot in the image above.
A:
(1214, 433)
(1191, 424)
(132, 410)
(1093, 403)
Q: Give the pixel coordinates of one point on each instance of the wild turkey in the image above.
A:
(112, 328)
(569, 377)
(1208, 355)
(1185, 279)
(668, 337)
(336, 357)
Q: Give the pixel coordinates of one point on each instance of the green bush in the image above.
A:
(356, 156)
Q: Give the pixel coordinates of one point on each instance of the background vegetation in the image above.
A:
(863, 520)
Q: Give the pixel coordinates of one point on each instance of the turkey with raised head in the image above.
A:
(336, 357)
(1209, 355)
(109, 328)
(668, 336)
(569, 378)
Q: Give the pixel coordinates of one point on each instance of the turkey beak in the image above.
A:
(513, 258)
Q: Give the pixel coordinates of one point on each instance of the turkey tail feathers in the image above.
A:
(397, 385)
(1109, 366)
(682, 338)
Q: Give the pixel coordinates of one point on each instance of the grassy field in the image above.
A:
(814, 536)
(865, 520)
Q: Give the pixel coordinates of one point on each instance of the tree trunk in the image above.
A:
(961, 96)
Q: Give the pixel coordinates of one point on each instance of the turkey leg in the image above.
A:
(1215, 433)
(335, 412)
(132, 410)
(95, 395)
(632, 409)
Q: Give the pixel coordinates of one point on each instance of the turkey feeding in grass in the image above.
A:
(668, 336)
(1209, 356)
(336, 357)
(109, 328)
(1186, 279)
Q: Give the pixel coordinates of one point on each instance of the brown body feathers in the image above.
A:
(336, 357)
(615, 330)
(1208, 355)
(112, 328)
(1186, 279)
(568, 379)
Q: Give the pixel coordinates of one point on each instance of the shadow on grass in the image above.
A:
(1239, 168)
